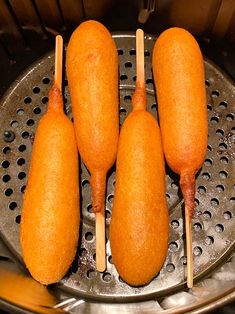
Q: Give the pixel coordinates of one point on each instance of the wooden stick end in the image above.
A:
(140, 73)
(100, 242)
(189, 283)
(58, 60)
(189, 248)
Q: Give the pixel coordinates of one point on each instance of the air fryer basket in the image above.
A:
(23, 105)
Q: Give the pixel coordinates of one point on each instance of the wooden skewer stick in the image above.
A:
(100, 241)
(58, 61)
(140, 76)
(189, 248)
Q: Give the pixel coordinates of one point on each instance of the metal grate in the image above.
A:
(213, 224)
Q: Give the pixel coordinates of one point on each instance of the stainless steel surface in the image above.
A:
(27, 296)
(213, 225)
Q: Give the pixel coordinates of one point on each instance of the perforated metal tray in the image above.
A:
(213, 225)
